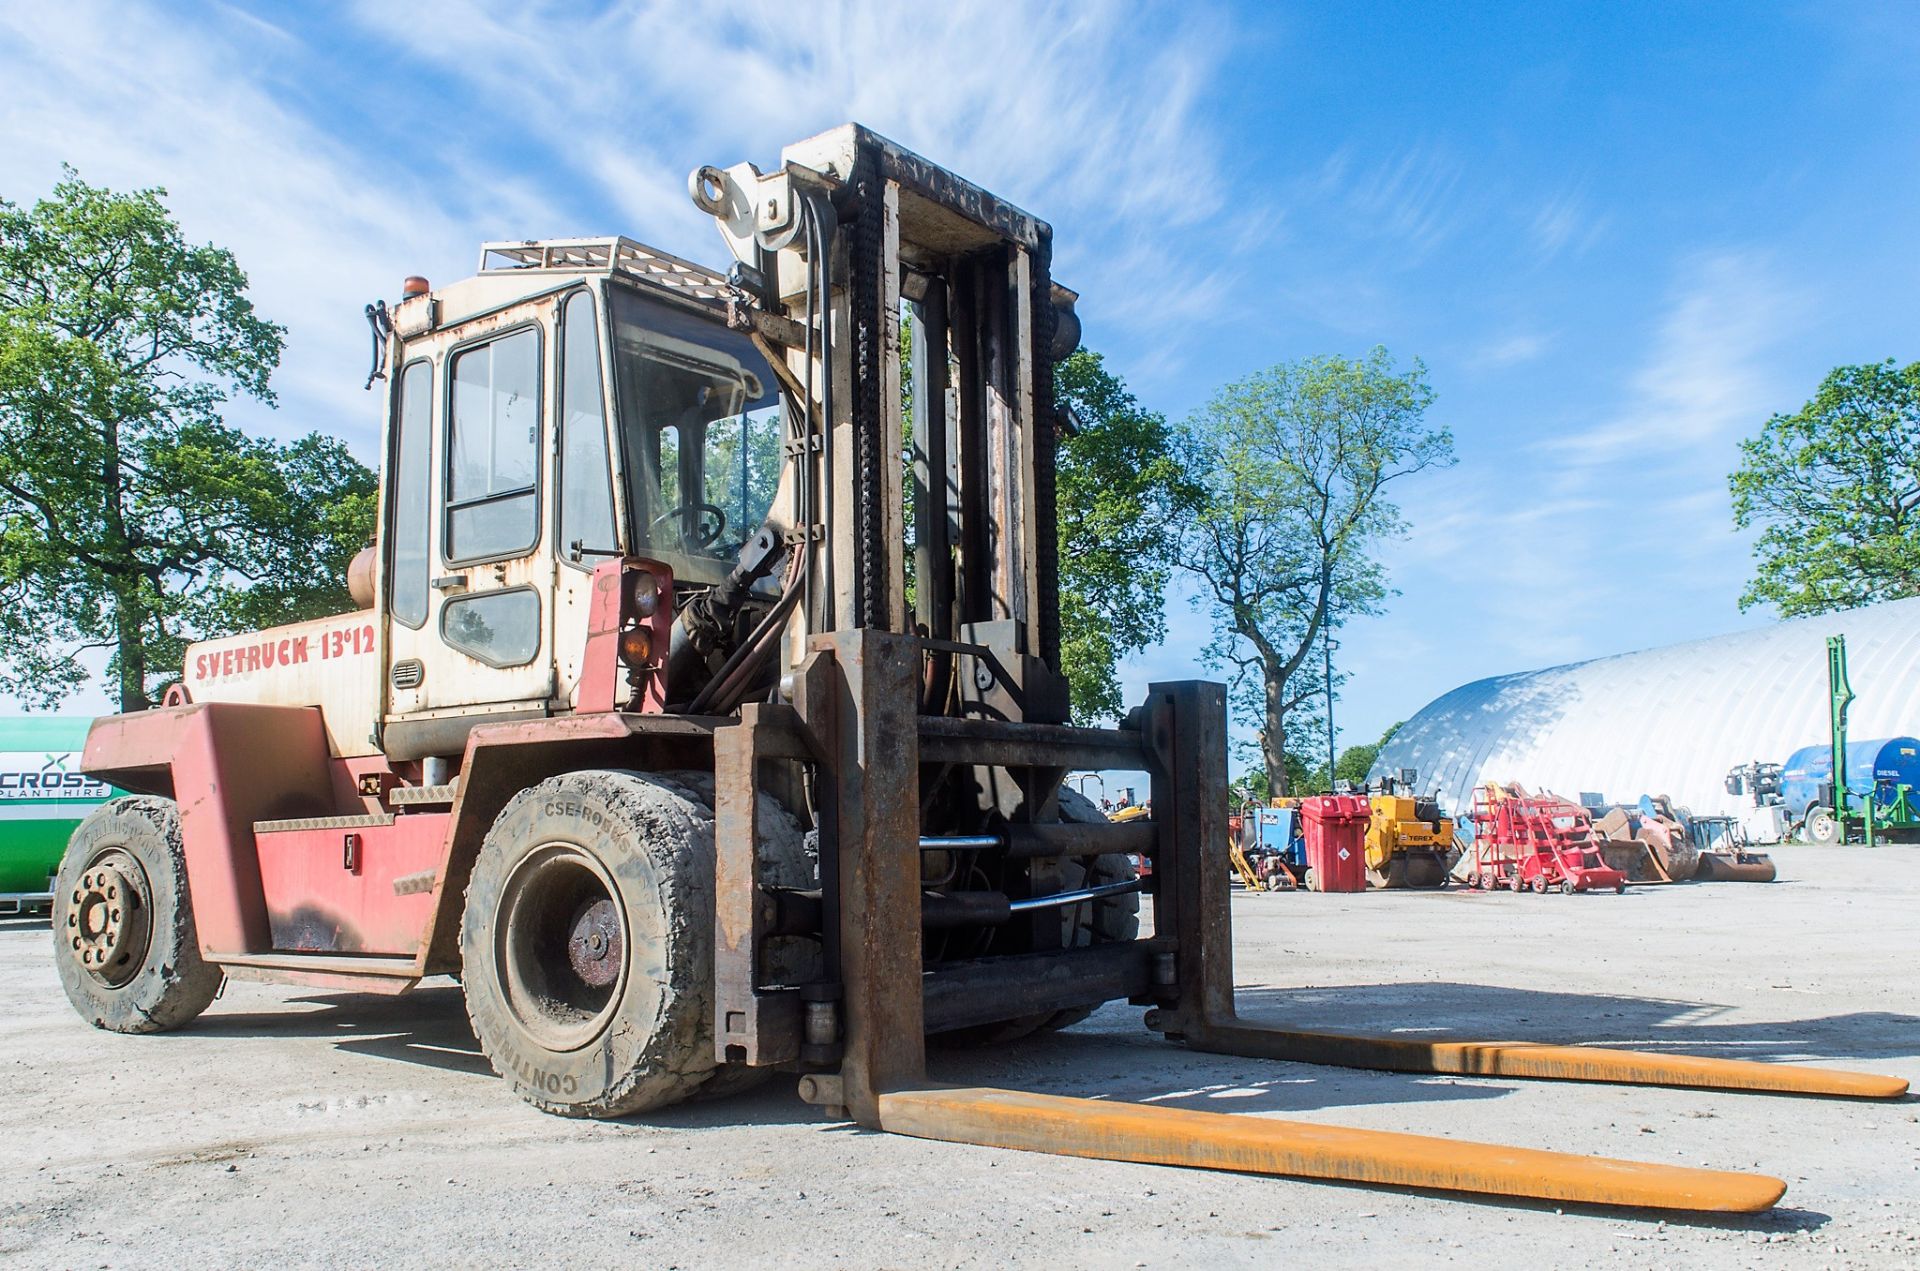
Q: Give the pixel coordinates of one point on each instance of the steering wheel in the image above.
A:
(695, 530)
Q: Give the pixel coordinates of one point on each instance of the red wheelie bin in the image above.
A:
(1336, 841)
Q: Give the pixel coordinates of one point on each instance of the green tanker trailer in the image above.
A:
(43, 796)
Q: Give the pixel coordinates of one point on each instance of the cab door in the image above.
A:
(584, 512)
(469, 584)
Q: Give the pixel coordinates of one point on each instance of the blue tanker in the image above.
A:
(1873, 767)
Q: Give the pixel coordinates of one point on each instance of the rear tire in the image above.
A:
(125, 945)
(587, 943)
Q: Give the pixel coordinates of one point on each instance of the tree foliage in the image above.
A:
(1292, 465)
(1357, 761)
(1120, 489)
(1353, 765)
(132, 519)
(1835, 490)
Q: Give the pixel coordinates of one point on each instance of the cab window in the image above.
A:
(413, 429)
(493, 449)
(586, 476)
(701, 428)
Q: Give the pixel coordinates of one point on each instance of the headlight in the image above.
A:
(636, 646)
(646, 593)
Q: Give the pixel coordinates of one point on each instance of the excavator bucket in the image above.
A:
(1112, 1131)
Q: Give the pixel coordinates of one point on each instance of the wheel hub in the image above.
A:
(108, 922)
(560, 946)
(594, 946)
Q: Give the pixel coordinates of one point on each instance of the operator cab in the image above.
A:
(572, 402)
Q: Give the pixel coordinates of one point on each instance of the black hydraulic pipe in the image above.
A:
(992, 908)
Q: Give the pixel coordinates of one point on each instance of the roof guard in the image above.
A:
(612, 255)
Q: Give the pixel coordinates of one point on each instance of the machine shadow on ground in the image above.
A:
(1107, 1058)
(427, 1026)
(1479, 1012)
(1104, 1059)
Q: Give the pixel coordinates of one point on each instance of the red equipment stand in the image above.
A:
(1538, 844)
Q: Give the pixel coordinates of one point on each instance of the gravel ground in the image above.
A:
(301, 1128)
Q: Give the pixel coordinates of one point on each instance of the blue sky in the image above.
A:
(1619, 235)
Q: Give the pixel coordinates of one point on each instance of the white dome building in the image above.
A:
(1666, 721)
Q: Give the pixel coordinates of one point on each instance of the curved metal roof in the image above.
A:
(1670, 720)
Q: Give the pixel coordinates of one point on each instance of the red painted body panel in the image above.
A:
(600, 667)
(231, 765)
(324, 896)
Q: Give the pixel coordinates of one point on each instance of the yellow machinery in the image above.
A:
(1408, 842)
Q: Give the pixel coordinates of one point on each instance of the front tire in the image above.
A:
(125, 945)
(587, 943)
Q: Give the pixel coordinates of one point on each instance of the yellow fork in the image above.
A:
(1534, 1060)
(1298, 1149)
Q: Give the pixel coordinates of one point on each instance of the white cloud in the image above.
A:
(1708, 376)
(1082, 113)
(1564, 224)
(132, 98)
(1510, 350)
(563, 122)
(1415, 197)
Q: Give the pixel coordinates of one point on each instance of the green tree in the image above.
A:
(1119, 488)
(1252, 785)
(1353, 765)
(1249, 787)
(1120, 491)
(1357, 761)
(1293, 464)
(1835, 490)
(132, 519)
